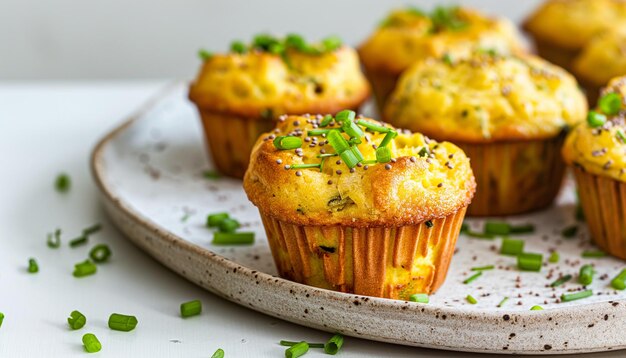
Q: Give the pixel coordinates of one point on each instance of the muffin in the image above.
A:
(240, 94)
(379, 219)
(408, 35)
(509, 113)
(602, 59)
(596, 150)
(562, 28)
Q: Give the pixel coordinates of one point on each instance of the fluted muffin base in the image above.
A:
(393, 262)
(515, 177)
(603, 201)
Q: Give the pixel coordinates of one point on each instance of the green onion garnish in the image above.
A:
(331, 43)
(334, 344)
(479, 235)
(473, 277)
(238, 238)
(373, 126)
(352, 129)
(349, 158)
(497, 228)
(326, 120)
(419, 297)
(327, 155)
(211, 174)
(79, 241)
(287, 142)
(76, 320)
(610, 103)
(238, 47)
(191, 308)
(292, 343)
(100, 253)
(204, 54)
(576, 296)
(91, 343)
(585, 275)
(619, 282)
(529, 261)
(465, 227)
(305, 166)
(621, 135)
(297, 350)
(317, 132)
(63, 183)
(447, 59)
(483, 268)
(383, 155)
(92, 229)
(54, 239)
(595, 119)
(337, 141)
(570, 231)
(593, 254)
(388, 137)
(33, 267)
(345, 116)
(471, 299)
(1, 318)
(219, 353)
(512, 247)
(561, 281)
(229, 225)
(214, 220)
(554, 257)
(121, 322)
(357, 153)
(503, 302)
(522, 229)
(85, 268)
(536, 308)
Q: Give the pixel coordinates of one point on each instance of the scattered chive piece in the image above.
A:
(76, 320)
(229, 225)
(238, 238)
(585, 276)
(357, 153)
(79, 241)
(91, 343)
(297, 350)
(120, 322)
(429, 224)
(497, 228)
(292, 343)
(536, 308)
(372, 126)
(211, 174)
(33, 267)
(345, 116)
(326, 120)
(349, 158)
(419, 297)
(423, 152)
(561, 281)
(85, 268)
(522, 229)
(483, 268)
(610, 103)
(214, 220)
(479, 235)
(529, 261)
(465, 227)
(304, 166)
(100, 253)
(63, 183)
(447, 59)
(317, 132)
(204, 54)
(512, 247)
(327, 155)
(570, 231)
(219, 353)
(238, 47)
(503, 302)
(621, 135)
(54, 239)
(388, 137)
(334, 344)
(92, 229)
(554, 257)
(337, 141)
(595, 119)
(619, 282)
(352, 129)
(471, 299)
(576, 296)
(383, 155)
(593, 253)
(285, 143)
(1, 318)
(473, 277)
(191, 308)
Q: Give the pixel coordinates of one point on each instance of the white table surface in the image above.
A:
(48, 128)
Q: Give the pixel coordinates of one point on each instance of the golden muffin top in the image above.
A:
(381, 177)
(599, 145)
(603, 58)
(271, 77)
(408, 35)
(572, 23)
(485, 98)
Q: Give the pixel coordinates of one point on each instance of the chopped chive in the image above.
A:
(465, 227)
(619, 282)
(479, 235)
(191, 308)
(352, 129)
(85, 268)
(388, 137)
(610, 103)
(204, 54)
(76, 320)
(292, 343)
(91, 343)
(345, 116)
(554, 257)
(503, 302)
(327, 155)
(595, 119)
(1, 318)
(529, 261)
(349, 158)
(326, 120)
(512, 247)
(63, 183)
(54, 239)
(383, 155)
(570, 231)
(447, 59)
(304, 166)
(522, 229)
(331, 43)
(239, 238)
(92, 229)
(576, 296)
(219, 353)
(419, 298)
(369, 162)
(561, 281)
(211, 174)
(473, 277)
(100, 253)
(621, 135)
(287, 142)
(423, 152)
(497, 228)
(536, 308)
(229, 225)
(471, 299)
(334, 344)
(317, 132)
(585, 275)
(337, 141)
(238, 47)
(214, 220)
(79, 241)
(121, 322)
(483, 268)
(593, 254)
(580, 214)
(429, 224)
(33, 267)
(297, 350)
(372, 126)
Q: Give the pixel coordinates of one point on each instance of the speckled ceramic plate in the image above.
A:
(150, 173)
